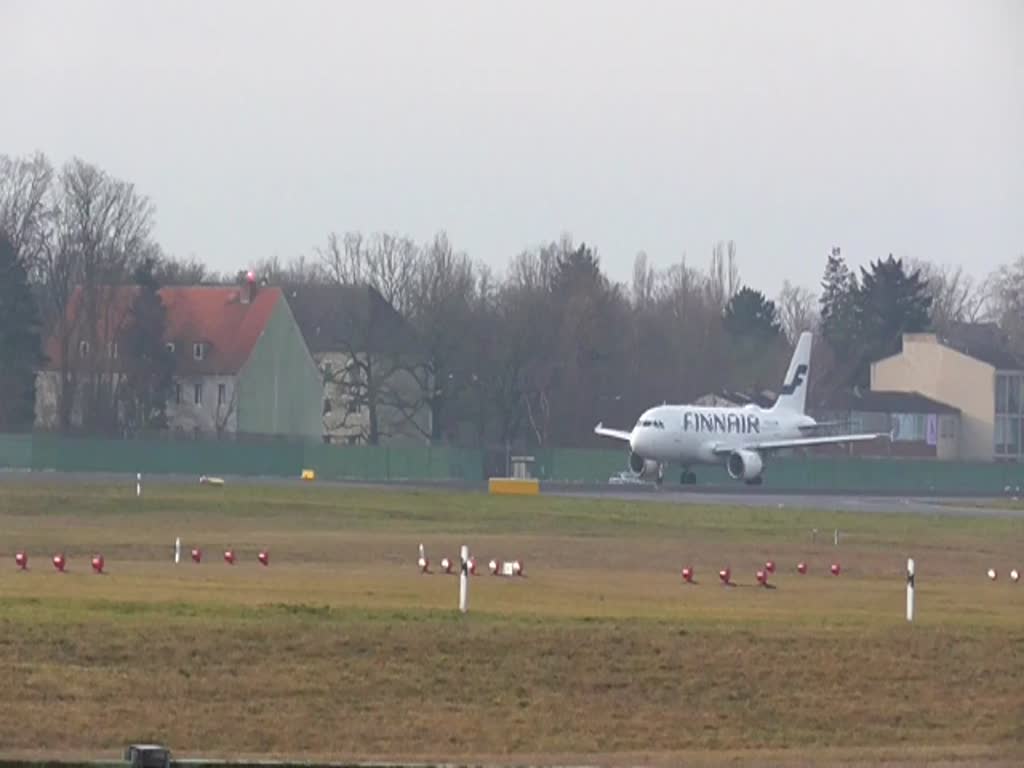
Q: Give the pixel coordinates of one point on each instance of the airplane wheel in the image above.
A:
(688, 478)
(756, 481)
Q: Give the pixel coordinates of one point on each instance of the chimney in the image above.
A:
(248, 290)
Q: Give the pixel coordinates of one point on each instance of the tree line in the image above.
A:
(535, 355)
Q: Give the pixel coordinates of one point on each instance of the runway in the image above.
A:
(838, 502)
(870, 503)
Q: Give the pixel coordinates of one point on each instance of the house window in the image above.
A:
(198, 350)
(177, 394)
(221, 392)
(170, 347)
(197, 394)
(83, 348)
(353, 406)
(112, 350)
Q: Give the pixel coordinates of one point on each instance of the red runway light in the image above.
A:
(229, 557)
(59, 562)
(21, 560)
(197, 555)
(263, 557)
(97, 563)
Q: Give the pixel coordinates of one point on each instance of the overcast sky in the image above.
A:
(258, 127)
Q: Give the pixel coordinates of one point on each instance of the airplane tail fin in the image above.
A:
(793, 396)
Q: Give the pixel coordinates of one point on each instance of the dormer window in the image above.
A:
(198, 350)
(112, 350)
(83, 348)
(170, 347)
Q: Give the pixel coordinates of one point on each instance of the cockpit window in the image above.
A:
(651, 423)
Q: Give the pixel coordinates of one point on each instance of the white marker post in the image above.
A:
(138, 484)
(177, 550)
(464, 580)
(910, 589)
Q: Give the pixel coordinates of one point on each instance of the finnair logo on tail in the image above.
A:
(798, 379)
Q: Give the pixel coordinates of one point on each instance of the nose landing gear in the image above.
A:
(687, 478)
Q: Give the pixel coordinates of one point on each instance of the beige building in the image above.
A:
(972, 371)
(371, 363)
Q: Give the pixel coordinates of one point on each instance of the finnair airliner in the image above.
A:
(738, 437)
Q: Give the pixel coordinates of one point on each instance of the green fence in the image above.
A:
(272, 458)
(280, 458)
(860, 475)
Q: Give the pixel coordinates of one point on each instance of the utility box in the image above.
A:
(147, 756)
(521, 467)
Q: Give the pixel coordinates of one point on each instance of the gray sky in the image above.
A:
(258, 127)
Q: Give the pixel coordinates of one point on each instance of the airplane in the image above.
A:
(737, 437)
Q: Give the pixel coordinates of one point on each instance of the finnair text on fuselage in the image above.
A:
(726, 423)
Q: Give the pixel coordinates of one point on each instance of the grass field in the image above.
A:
(340, 649)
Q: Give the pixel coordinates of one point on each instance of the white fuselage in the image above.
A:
(688, 435)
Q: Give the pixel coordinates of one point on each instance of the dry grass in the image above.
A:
(340, 649)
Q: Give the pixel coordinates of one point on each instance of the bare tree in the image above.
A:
(724, 275)
(643, 281)
(1006, 301)
(440, 301)
(956, 296)
(345, 259)
(25, 215)
(797, 310)
(101, 229)
(384, 261)
(296, 271)
(225, 411)
(191, 271)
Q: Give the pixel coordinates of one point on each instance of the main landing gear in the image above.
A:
(687, 478)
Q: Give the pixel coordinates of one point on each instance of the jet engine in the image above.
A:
(642, 467)
(744, 465)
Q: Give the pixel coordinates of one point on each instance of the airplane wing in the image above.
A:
(823, 424)
(802, 442)
(618, 434)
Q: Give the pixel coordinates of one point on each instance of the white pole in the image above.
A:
(177, 550)
(910, 589)
(835, 542)
(464, 580)
(138, 484)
